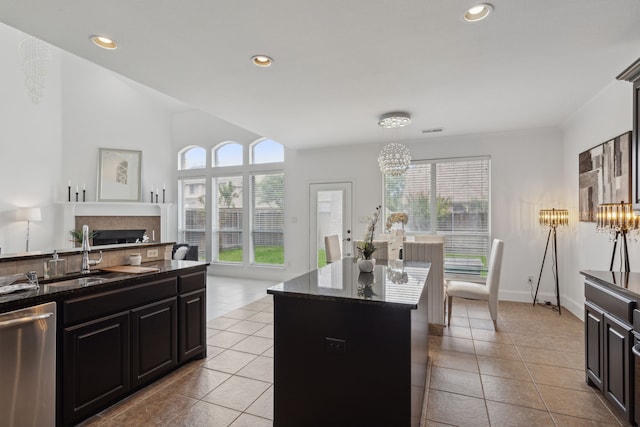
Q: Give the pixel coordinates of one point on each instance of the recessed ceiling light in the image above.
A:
(103, 42)
(478, 12)
(262, 60)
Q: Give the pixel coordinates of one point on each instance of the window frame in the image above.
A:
(433, 223)
(245, 170)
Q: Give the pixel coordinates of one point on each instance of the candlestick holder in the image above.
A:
(151, 200)
(156, 197)
(69, 193)
(84, 195)
(76, 196)
(163, 195)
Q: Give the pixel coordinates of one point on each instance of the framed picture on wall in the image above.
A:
(604, 175)
(119, 173)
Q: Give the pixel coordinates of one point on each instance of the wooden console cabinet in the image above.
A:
(609, 339)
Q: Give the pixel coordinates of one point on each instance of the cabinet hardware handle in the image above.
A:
(23, 320)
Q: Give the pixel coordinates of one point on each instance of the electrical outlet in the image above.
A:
(152, 253)
(335, 345)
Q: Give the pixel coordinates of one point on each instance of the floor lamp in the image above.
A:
(617, 219)
(552, 218)
(28, 214)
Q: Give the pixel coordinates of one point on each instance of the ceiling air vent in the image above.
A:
(432, 130)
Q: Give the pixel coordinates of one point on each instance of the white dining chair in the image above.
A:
(480, 291)
(332, 248)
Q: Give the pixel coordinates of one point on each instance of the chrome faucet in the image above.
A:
(86, 262)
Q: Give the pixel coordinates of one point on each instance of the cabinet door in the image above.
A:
(95, 365)
(192, 325)
(618, 341)
(153, 340)
(593, 340)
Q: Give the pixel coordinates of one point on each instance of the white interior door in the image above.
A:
(329, 213)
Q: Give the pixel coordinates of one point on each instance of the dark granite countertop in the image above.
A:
(397, 284)
(75, 251)
(93, 281)
(622, 282)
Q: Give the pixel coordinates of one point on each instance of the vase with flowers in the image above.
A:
(366, 248)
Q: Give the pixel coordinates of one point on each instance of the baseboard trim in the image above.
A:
(577, 309)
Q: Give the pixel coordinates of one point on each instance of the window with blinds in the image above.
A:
(227, 221)
(192, 194)
(448, 197)
(267, 218)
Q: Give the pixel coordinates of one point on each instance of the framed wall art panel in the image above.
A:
(604, 175)
(119, 174)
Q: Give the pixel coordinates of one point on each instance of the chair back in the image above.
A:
(495, 265)
(332, 248)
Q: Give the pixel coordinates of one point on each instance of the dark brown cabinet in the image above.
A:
(153, 340)
(593, 320)
(632, 74)
(608, 343)
(192, 329)
(96, 364)
(617, 364)
(118, 340)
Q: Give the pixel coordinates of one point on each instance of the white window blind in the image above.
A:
(192, 193)
(447, 197)
(267, 218)
(227, 221)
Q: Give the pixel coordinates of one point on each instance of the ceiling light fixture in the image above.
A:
(104, 42)
(394, 120)
(262, 60)
(395, 158)
(35, 55)
(478, 12)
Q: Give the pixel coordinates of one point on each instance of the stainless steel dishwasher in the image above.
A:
(28, 367)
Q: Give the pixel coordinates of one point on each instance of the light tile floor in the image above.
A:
(529, 372)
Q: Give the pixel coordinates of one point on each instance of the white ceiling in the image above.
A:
(339, 64)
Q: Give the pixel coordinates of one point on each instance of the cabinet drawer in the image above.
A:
(610, 302)
(92, 306)
(192, 282)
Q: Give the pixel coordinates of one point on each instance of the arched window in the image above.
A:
(192, 157)
(227, 154)
(230, 207)
(267, 151)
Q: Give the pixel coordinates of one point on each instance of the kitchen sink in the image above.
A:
(94, 278)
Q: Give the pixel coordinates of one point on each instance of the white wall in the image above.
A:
(44, 145)
(101, 109)
(31, 144)
(526, 174)
(607, 115)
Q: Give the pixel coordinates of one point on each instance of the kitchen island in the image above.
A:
(351, 348)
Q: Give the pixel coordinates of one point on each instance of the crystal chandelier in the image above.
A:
(35, 55)
(395, 158)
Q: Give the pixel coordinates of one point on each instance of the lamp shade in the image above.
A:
(616, 217)
(29, 214)
(553, 217)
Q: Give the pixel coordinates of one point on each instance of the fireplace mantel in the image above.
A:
(71, 210)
